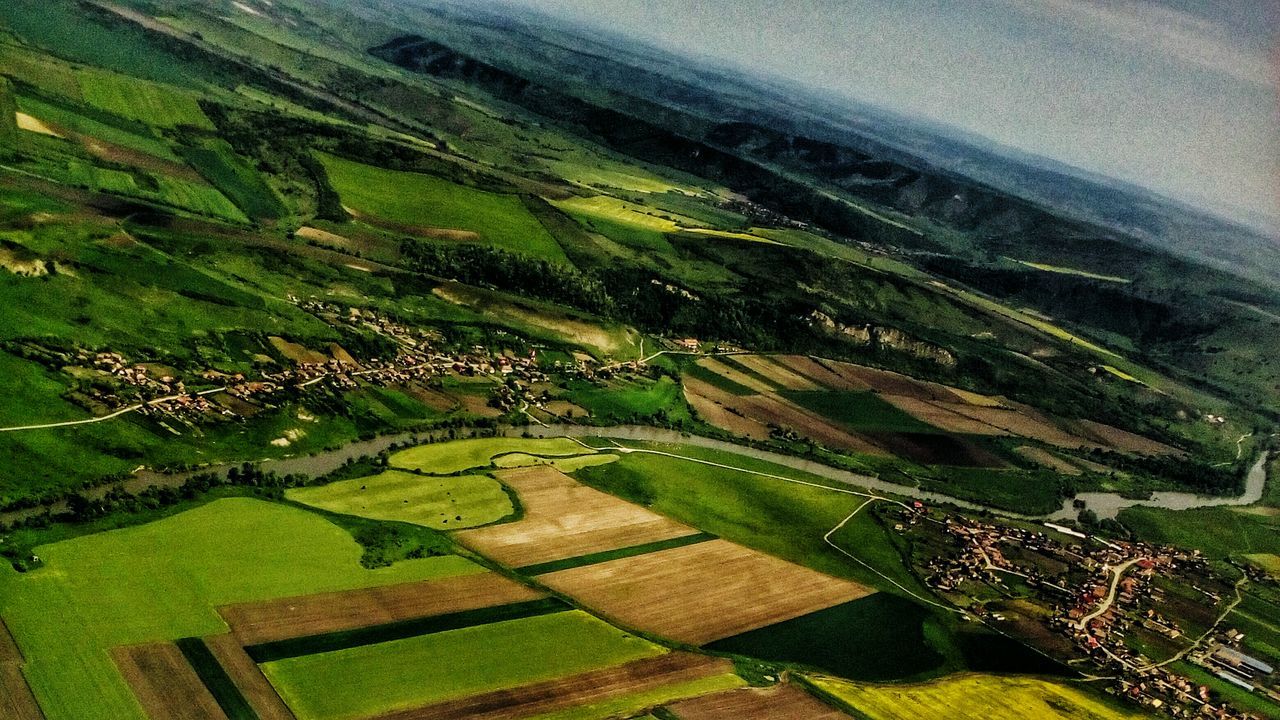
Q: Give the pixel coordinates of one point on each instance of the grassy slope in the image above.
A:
(448, 458)
(161, 581)
(373, 679)
(439, 503)
(422, 200)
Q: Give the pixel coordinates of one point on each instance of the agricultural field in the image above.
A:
(780, 702)
(161, 581)
(974, 697)
(454, 457)
(562, 518)
(149, 103)
(695, 593)
(440, 503)
(414, 672)
(422, 204)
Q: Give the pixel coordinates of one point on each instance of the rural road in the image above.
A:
(1111, 594)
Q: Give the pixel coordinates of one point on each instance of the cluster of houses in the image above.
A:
(1101, 591)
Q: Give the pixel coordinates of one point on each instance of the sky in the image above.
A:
(1179, 96)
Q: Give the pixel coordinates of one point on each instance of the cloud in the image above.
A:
(1157, 29)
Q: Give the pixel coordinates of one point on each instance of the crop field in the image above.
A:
(974, 697)
(247, 677)
(696, 593)
(403, 674)
(563, 464)
(618, 691)
(636, 225)
(1270, 563)
(440, 503)
(417, 200)
(780, 702)
(239, 182)
(563, 518)
(144, 102)
(279, 619)
(161, 581)
(453, 457)
(164, 682)
(98, 130)
(16, 700)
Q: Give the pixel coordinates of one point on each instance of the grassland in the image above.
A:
(973, 697)
(144, 102)
(565, 465)
(628, 705)
(239, 182)
(422, 201)
(1072, 271)
(453, 457)
(134, 138)
(858, 410)
(1218, 532)
(161, 581)
(632, 401)
(368, 680)
(440, 503)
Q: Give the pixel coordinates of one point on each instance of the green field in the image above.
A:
(162, 581)
(417, 200)
(565, 465)
(452, 457)
(1071, 271)
(239, 182)
(133, 139)
(623, 402)
(1218, 532)
(974, 697)
(628, 705)
(374, 679)
(146, 102)
(440, 503)
(858, 410)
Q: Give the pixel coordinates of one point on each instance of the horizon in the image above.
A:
(1185, 91)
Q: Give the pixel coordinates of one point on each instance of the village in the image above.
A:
(1110, 603)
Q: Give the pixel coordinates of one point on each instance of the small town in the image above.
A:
(1112, 601)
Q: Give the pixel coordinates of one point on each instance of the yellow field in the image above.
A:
(974, 697)
(1269, 563)
(1122, 374)
(35, 125)
(646, 218)
(1070, 271)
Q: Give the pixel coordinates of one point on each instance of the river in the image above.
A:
(1106, 505)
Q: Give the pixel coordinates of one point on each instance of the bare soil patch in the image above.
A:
(296, 352)
(165, 684)
(701, 396)
(1043, 457)
(780, 702)
(564, 518)
(776, 370)
(248, 678)
(592, 687)
(16, 700)
(893, 383)
(282, 619)
(703, 592)
(941, 416)
(1126, 441)
(36, 125)
(820, 373)
(748, 381)
(434, 399)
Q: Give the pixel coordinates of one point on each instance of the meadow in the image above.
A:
(373, 679)
(150, 103)
(439, 503)
(421, 201)
(161, 581)
(453, 457)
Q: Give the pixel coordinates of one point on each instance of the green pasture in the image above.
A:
(446, 503)
(162, 581)
(375, 679)
(146, 102)
(218, 164)
(453, 457)
(563, 464)
(96, 128)
(418, 200)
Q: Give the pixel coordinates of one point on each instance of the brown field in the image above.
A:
(165, 684)
(892, 383)
(476, 405)
(260, 622)
(434, 399)
(307, 232)
(1124, 440)
(437, 233)
(128, 156)
(936, 449)
(775, 370)
(941, 416)
(16, 700)
(296, 352)
(748, 381)
(700, 396)
(591, 687)
(1047, 459)
(820, 373)
(247, 677)
(780, 702)
(702, 592)
(779, 411)
(1024, 421)
(562, 519)
(563, 408)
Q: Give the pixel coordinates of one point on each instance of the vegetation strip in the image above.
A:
(346, 639)
(216, 679)
(607, 555)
